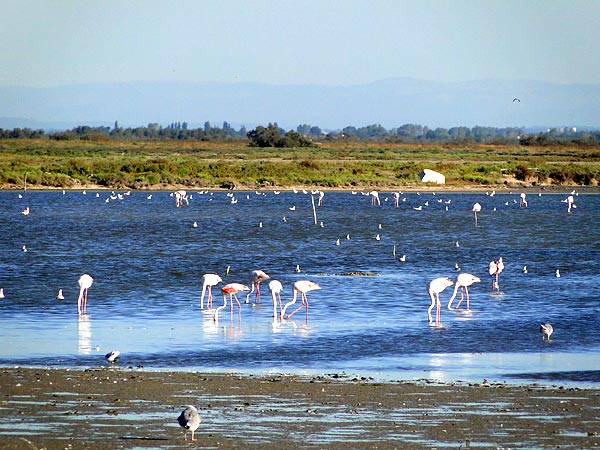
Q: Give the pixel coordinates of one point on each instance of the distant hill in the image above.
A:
(390, 102)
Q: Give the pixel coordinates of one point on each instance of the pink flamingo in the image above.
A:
(180, 197)
(85, 282)
(230, 289)
(209, 280)
(435, 288)
(256, 276)
(302, 287)
(275, 287)
(463, 281)
(495, 269)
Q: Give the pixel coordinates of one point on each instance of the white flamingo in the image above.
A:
(302, 287)
(256, 276)
(276, 287)
(208, 281)
(85, 282)
(495, 269)
(435, 288)
(463, 281)
(476, 209)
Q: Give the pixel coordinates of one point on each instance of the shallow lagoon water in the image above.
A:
(147, 261)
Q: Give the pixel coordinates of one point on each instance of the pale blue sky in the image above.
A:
(49, 43)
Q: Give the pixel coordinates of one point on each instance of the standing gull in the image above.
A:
(546, 330)
(190, 420)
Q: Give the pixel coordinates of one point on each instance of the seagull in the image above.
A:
(1, 293)
(189, 419)
(195, 225)
(25, 212)
(524, 269)
(24, 248)
(60, 295)
(113, 356)
(557, 274)
(546, 330)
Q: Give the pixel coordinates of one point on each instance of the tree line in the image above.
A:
(306, 135)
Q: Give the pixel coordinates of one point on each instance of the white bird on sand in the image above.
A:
(113, 356)
(546, 329)
(463, 281)
(435, 288)
(60, 295)
(190, 420)
(85, 282)
(302, 287)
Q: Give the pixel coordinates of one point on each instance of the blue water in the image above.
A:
(147, 260)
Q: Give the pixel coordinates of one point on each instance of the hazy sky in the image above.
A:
(47, 43)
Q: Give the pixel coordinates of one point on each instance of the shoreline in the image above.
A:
(114, 407)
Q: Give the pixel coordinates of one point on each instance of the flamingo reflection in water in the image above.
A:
(463, 281)
(435, 288)
(302, 287)
(230, 289)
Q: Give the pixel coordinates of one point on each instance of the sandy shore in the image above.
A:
(111, 408)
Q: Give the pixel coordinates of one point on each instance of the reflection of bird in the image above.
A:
(256, 276)
(209, 280)
(435, 287)
(113, 356)
(230, 289)
(546, 330)
(495, 269)
(275, 287)
(302, 287)
(463, 281)
(190, 420)
(60, 295)
(85, 282)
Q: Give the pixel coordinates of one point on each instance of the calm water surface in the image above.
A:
(147, 261)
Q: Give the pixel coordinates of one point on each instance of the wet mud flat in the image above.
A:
(113, 408)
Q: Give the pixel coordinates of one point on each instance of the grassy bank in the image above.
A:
(46, 164)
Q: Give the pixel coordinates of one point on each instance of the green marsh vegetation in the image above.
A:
(113, 164)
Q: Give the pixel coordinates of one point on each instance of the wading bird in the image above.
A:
(60, 295)
(85, 282)
(463, 281)
(256, 276)
(476, 209)
(435, 288)
(302, 287)
(190, 420)
(495, 269)
(208, 281)
(546, 329)
(276, 287)
(230, 289)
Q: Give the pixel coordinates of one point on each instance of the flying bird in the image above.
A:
(190, 420)
(516, 100)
